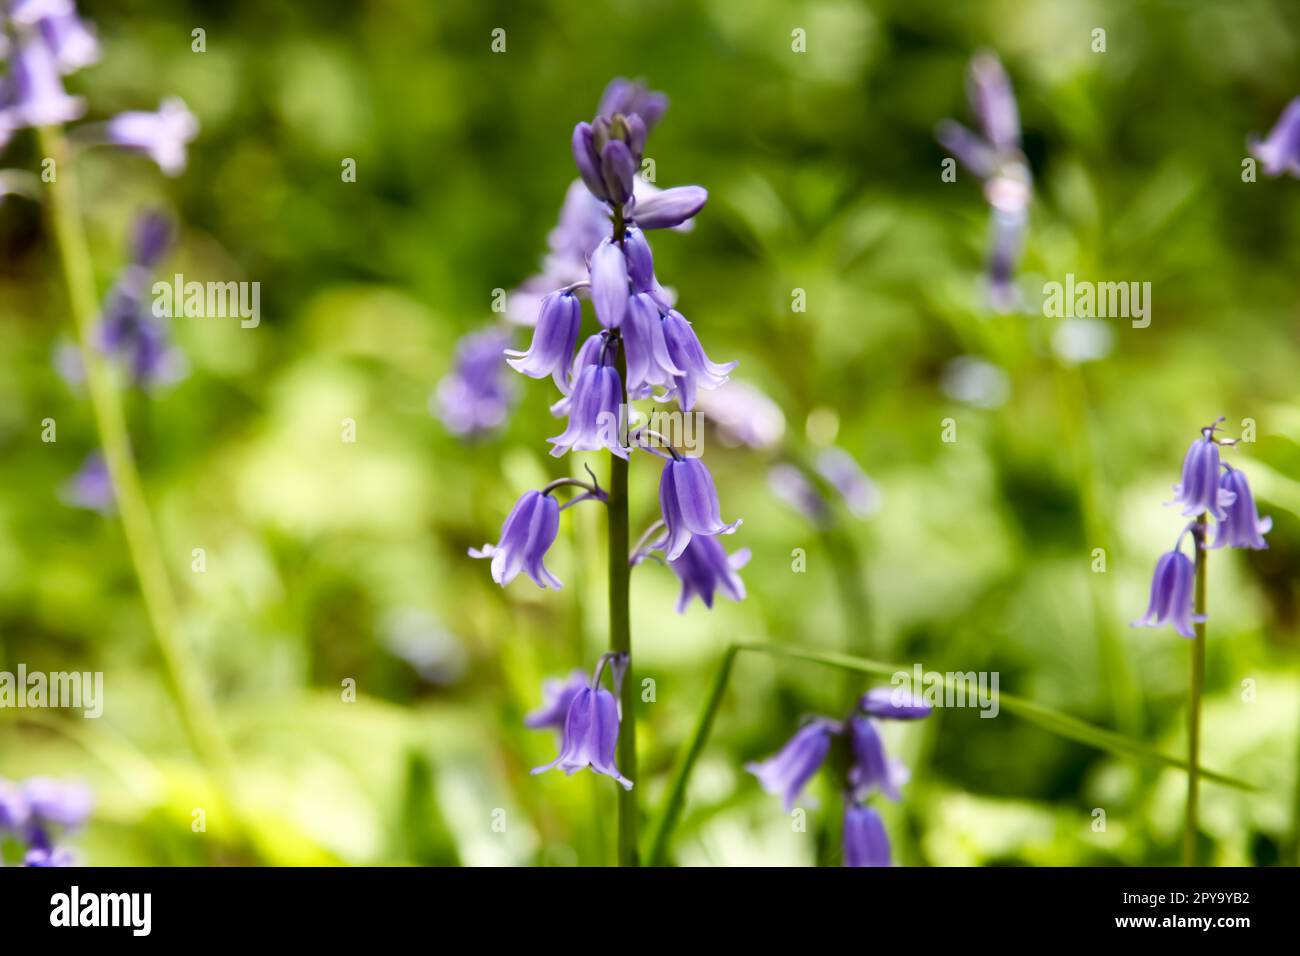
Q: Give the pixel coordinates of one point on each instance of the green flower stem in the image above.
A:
(1194, 705)
(195, 709)
(1053, 721)
(620, 622)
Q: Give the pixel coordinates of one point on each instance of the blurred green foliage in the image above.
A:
(324, 559)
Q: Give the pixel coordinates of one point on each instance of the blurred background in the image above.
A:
(330, 561)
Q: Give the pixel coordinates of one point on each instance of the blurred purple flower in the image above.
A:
(56, 802)
(529, 531)
(787, 773)
(669, 207)
(71, 42)
(791, 485)
(36, 88)
(689, 502)
(1171, 594)
(743, 414)
(49, 857)
(632, 97)
(1280, 153)
(845, 476)
(476, 396)
(91, 487)
(893, 703)
(1241, 526)
(872, 768)
(995, 158)
(162, 135)
(865, 841)
(705, 567)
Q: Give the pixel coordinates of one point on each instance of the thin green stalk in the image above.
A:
(620, 622)
(192, 704)
(1194, 705)
(1053, 721)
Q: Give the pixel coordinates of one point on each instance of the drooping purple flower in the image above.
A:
(49, 857)
(14, 810)
(1280, 153)
(669, 207)
(865, 841)
(609, 284)
(687, 354)
(648, 361)
(71, 41)
(845, 475)
(996, 158)
(743, 415)
(590, 736)
(36, 87)
(129, 329)
(872, 769)
(161, 135)
(705, 567)
(476, 396)
(529, 531)
(689, 501)
(57, 802)
(791, 485)
(788, 772)
(1199, 491)
(595, 412)
(551, 352)
(893, 704)
(91, 487)
(1171, 595)
(1242, 527)
(557, 695)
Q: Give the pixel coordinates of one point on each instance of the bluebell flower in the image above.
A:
(689, 502)
(865, 841)
(14, 810)
(554, 338)
(162, 135)
(893, 704)
(787, 773)
(1199, 491)
(1241, 527)
(71, 41)
(128, 329)
(36, 88)
(995, 157)
(529, 531)
(699, 371)
(1280, 153)
(844, 474)
(49, 857)
(618, 166)
(91, 487)
(872, 768)
(476, 396)
(744, 415)
(590, 736)
(1171, 595)
(57, 803)
(557, 696)
(595, 410)
(789, 483)
(648, 361)
(668, 208)
(704, 567)
(609, 289)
